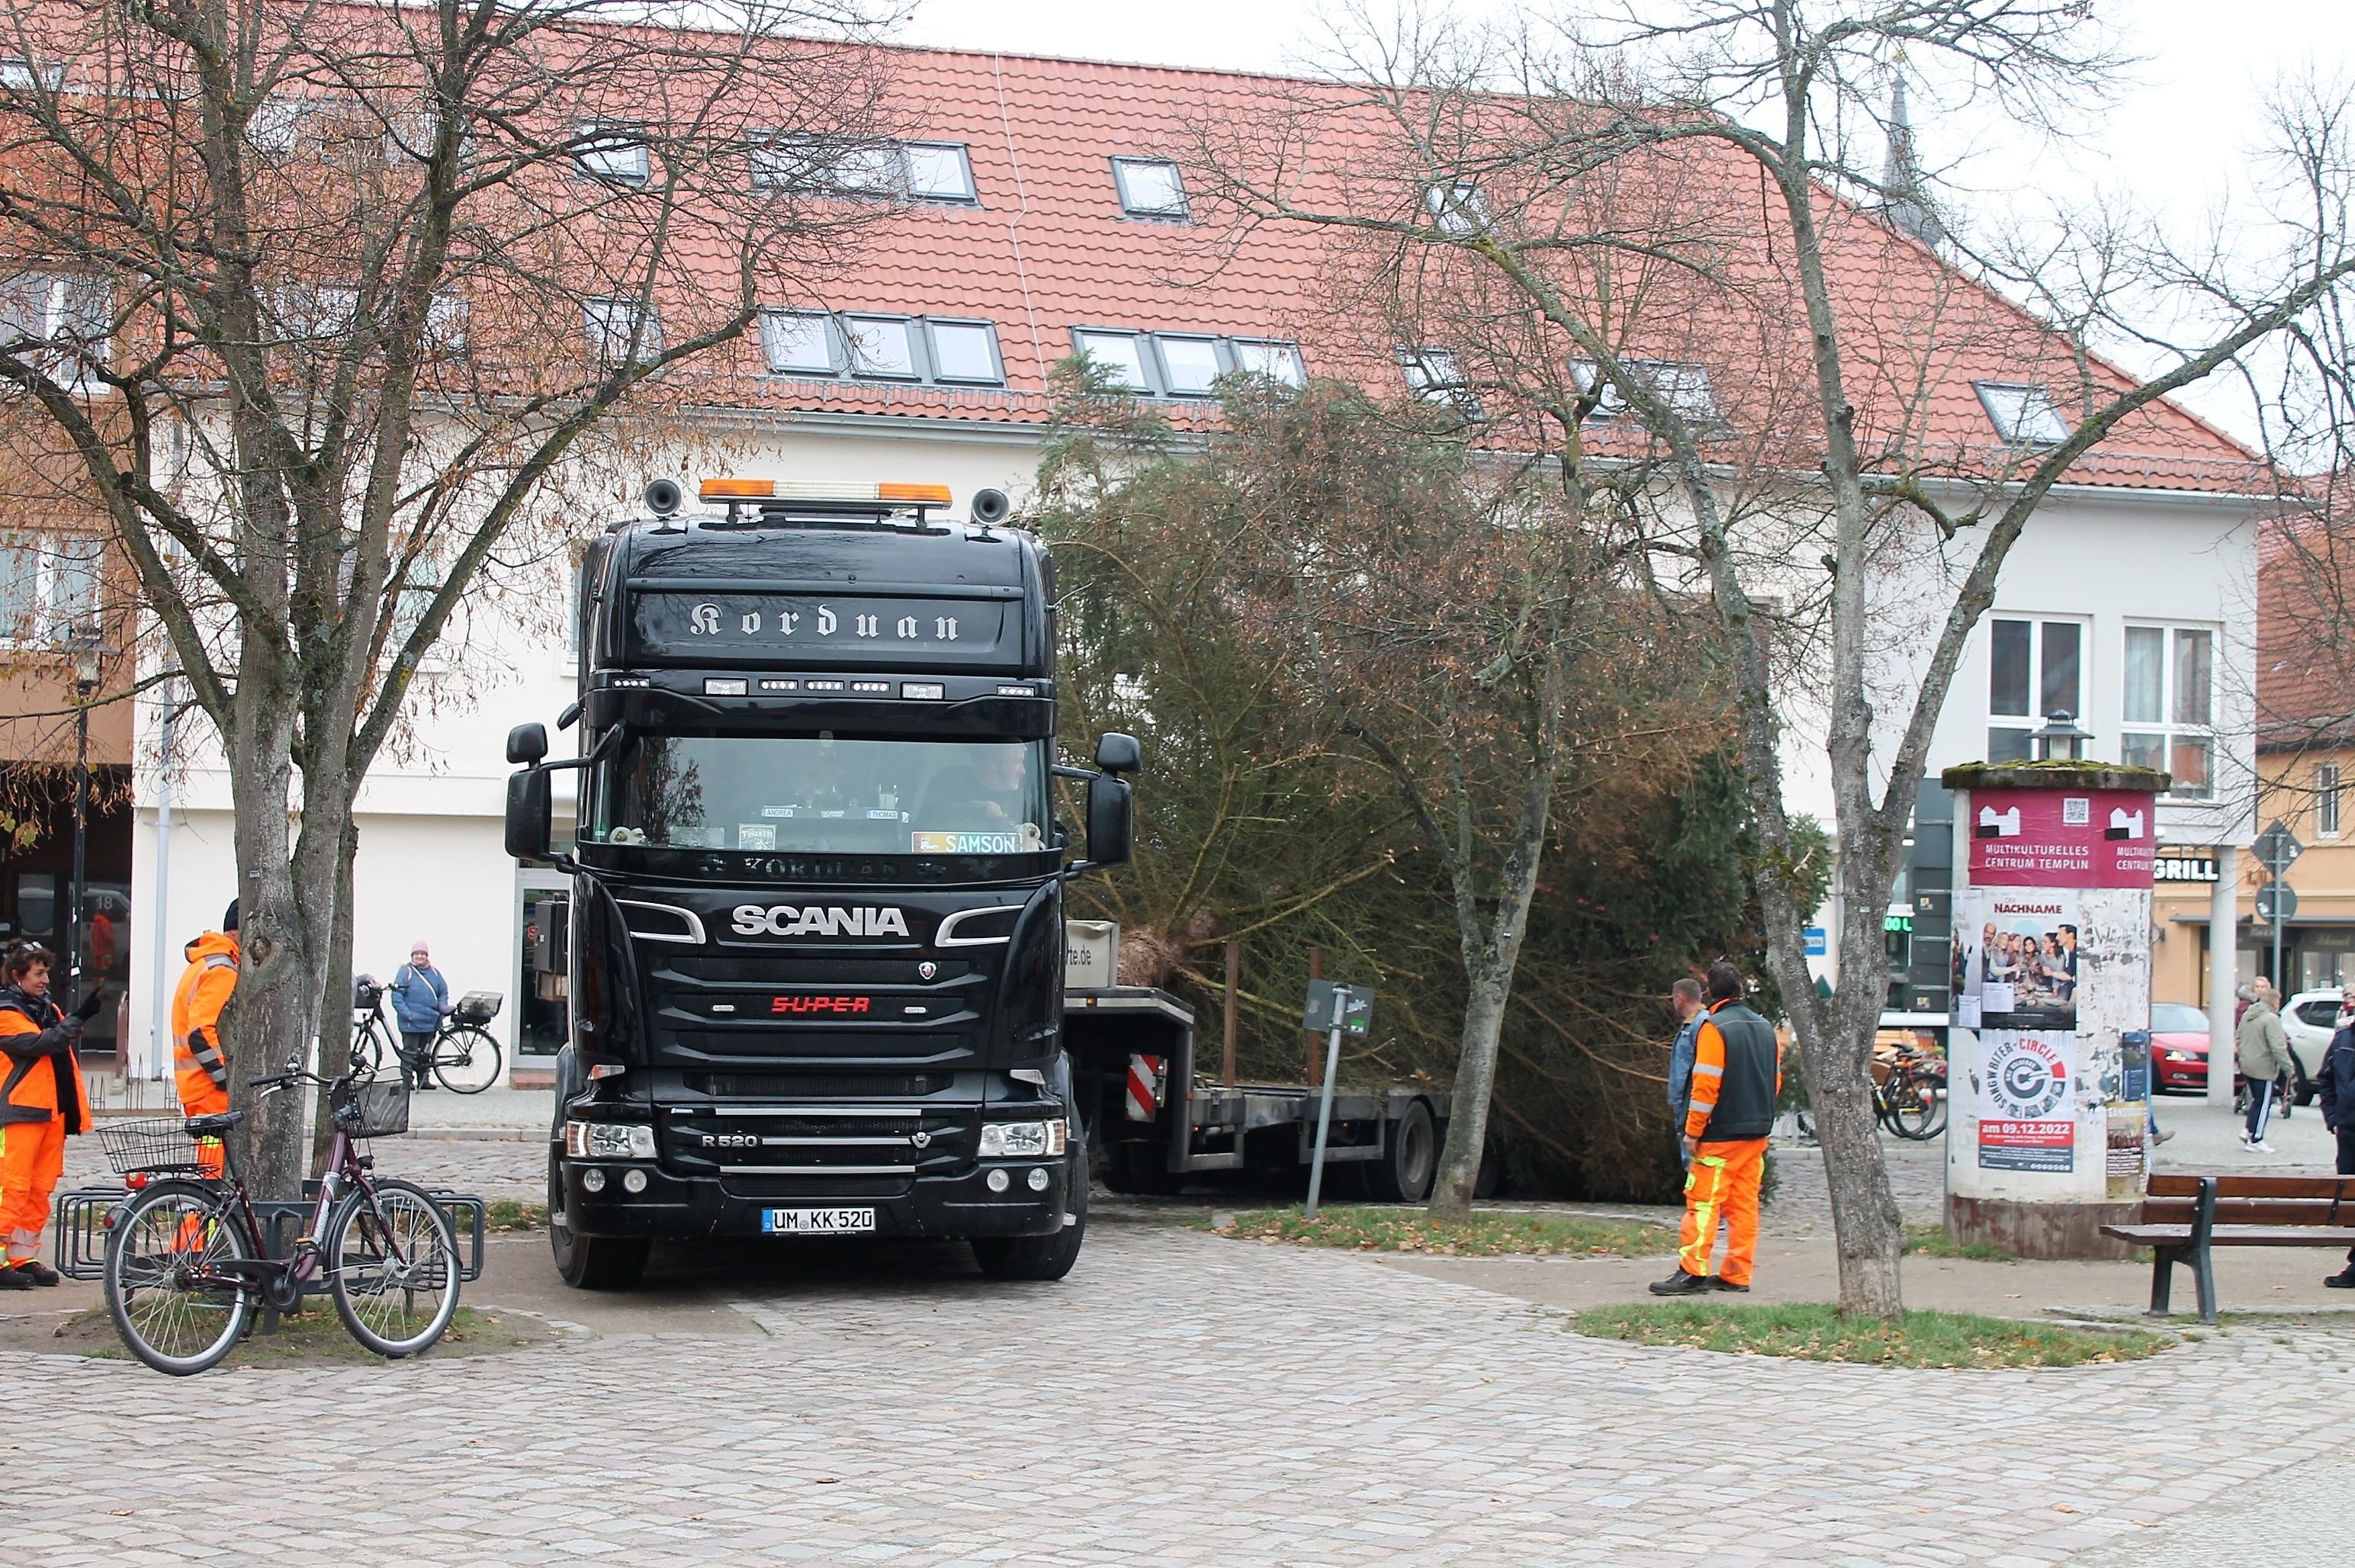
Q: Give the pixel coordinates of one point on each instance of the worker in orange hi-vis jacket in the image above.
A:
(1737, 1076)
(198, 1050)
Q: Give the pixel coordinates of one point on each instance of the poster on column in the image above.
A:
(2026, 1119)
(2016, 958)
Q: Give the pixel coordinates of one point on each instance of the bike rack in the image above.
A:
(81, 1226)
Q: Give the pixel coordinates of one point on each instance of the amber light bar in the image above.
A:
(787, 490)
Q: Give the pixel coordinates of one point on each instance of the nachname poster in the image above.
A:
(2016, 958)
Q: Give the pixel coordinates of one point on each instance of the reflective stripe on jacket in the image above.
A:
(1737, 1076)
(44, 1076)
(197, 1052)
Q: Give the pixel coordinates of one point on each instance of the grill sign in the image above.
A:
(799, 626)
(838, 1006)
(816, 920)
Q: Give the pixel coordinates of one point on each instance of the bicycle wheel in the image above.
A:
(367, 1050)
(466, 1059)
(173, 1284)
(1914, 1107)
(392, 1268)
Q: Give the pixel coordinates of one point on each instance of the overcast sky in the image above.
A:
(2177, 141)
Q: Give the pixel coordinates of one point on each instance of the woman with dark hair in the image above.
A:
(41, 1104)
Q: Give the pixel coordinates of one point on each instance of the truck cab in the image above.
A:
(816, 925)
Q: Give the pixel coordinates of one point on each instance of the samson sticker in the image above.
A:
(1024, 840)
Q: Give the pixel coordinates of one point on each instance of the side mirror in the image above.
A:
(529, 805)
(1112, 816)
(527, 743)
(1119, 753)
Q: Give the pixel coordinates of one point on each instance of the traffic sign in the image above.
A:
(2276, 902)
(1356, 1007)
(2276, 846)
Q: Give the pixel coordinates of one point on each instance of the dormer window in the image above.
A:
(1683, 385)
(1434, 376)
(2023, 415)
(1150, 187)
(612, 154)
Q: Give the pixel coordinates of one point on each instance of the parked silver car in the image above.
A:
(2309, 1021)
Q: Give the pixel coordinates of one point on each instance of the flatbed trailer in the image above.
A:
(1153, 1120)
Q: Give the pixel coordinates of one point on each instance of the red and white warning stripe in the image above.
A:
(1144, 1087)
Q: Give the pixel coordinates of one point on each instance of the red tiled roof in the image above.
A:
(2306, 631)
(1047, 249)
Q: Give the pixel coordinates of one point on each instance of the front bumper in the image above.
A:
(681, 1208)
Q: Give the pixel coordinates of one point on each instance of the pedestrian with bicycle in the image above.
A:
(40, 1107)
(420, 1000)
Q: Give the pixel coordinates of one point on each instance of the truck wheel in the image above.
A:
(1040, 1257)
(589, 1263)
(1403, 1174)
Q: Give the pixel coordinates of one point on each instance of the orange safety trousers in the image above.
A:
(1721, 1187)
(32, 1157)
(205, 1099)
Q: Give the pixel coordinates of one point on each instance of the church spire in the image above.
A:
(1905, 201)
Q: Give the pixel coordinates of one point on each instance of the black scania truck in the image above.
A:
(816, 938)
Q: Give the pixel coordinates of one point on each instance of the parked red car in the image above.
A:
(2178, 1046)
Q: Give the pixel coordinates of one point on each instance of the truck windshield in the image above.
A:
(767, 794)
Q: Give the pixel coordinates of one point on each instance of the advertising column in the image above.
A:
(2051, 969)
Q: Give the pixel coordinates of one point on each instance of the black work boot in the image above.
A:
(1680, 1284)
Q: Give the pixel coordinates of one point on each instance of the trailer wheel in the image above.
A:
(1041, 1257)
(589, 1263)
(1141, 1168)
(1404, 1173)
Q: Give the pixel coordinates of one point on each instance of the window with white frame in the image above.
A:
(938, 171)
(2035, 670)
(18, 74)
(1277, 360)
(2168, 707)
(614, 153)
(940, 350)
(74, 315)
(1190, 366)
(622, 331)
(1120, 354)
(2023, 415)
(1457, 210)
(445, 326)
(874, 171)
(1150, 187)
(1436, 376)
(48, 586)
(1681, 384)
(2325, 800)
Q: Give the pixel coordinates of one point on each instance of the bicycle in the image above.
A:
(465, 1058)
(372, 1045)
(186, 1262)
(1910, 1098)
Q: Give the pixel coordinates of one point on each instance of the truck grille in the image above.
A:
(816, 1085)
(819, 1142)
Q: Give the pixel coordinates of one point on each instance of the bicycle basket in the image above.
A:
(374, 1108)
(476, 1007)
(147, 1143)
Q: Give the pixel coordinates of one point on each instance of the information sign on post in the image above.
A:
(1337, 1009)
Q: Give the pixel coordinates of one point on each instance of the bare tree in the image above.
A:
(1785, 394)
(331, 294)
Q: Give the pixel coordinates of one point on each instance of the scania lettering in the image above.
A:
(814, 971)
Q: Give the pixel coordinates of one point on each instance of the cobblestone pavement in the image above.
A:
(491, 1168)
(1180, 1398)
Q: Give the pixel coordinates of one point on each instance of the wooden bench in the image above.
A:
(2183, 1217)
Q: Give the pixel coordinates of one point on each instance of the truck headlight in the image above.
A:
(608, 1140)
(1023, 1140)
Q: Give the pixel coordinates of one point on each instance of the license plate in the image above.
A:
(815, 1221)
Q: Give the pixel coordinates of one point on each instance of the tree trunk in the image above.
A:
(1476, 1076)
(335, 1022)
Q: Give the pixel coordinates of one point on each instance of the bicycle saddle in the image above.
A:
(209, 1126)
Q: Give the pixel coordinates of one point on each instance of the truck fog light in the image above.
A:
(1038, 1179)
(998, 1181)
(592, 1181)
(634, 1181)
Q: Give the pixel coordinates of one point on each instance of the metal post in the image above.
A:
(1324, 1101)
(1315, 972)
(159, 1050)
(2223, 971)
(75, 893)
(1234, 966)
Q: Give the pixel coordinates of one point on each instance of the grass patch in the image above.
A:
(1932, 1241)
(508, 1214)
(1814, 1331)
(1484, 1235)
(316, 1337)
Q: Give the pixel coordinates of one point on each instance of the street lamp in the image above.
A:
(87, 646)
(2061, 740)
